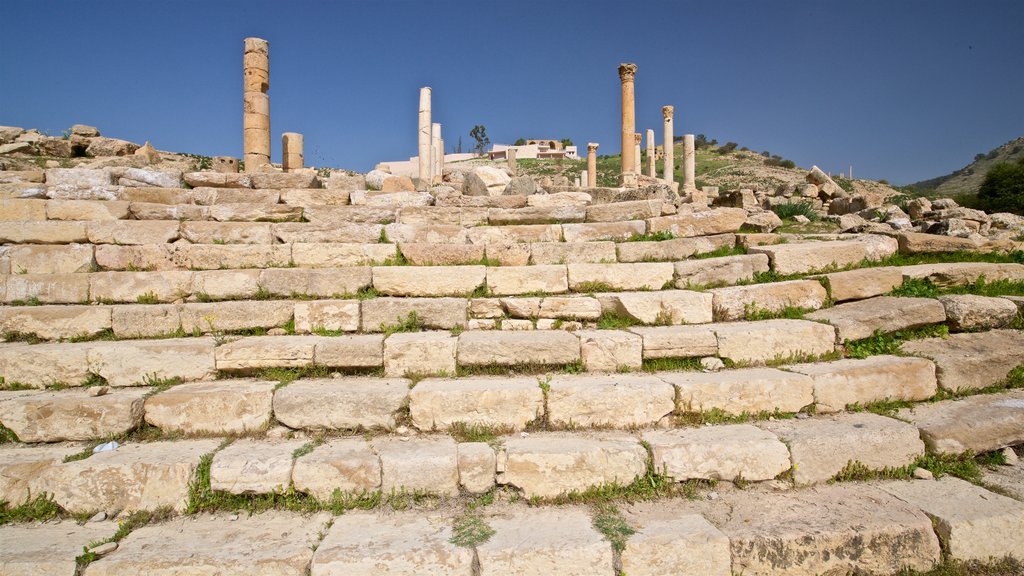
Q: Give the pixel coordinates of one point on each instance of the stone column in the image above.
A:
(424, 140)
(627, 73)
(637, 140)
(256, 104)
(669, 138)
(510, 156)
(291, 151)
(584, 178)
(689, 163)
(592, 165)
(437, 154)
(650, 154)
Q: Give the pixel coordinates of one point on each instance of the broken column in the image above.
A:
(689, 164)
(669, 144)
(256, 104)
(510, 156)
(592, 165)
(437, 154)
(637, 140)
(225, 164)
(650, 154)
(291, 151)
(627, 74)
(424, 140)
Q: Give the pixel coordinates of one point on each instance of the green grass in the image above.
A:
(671, 364)
(1001, 567)
(7, 436)
(40, 509)
(613, 321)
(720, 252)
(791, 209)
(695, 418)
(463, 432)
(924, 288)
(411, 323)
(752, 311)
(652, 237)
(855, 471)
(148, 298)
(879, 344)
(881, 407)
(592, 287)
(608, 521)
(469, 531)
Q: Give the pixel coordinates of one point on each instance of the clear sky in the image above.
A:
(904, 90)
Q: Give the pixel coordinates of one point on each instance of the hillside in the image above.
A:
(965, 181)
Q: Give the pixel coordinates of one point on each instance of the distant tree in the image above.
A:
(714, 142)
(978, 156)
(520, 142)
(766, 154)
(992, 155)
(479, 133)
(1003, 188)
(566, 142)
(727, 147)
(700, 141)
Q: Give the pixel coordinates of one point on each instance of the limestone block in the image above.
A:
(85, 210)
(419, 353)
(48, 288)
(148, 257)
(331, 315)
(512, 348)
(344, 464)
(538, 541)
(81, 177)
(738, 302)
(636, 276)
(570, 308)
(340, 255)
(154, 211)
(917, 243)
(147, 320)
(960, 273)
(719, 271)
(535, 215)
(254, 352)
(45, 364)
(403, 544)
(603, 231)
(336, 283)
(132, 232)
(664, 307)
(439, 215)
(477, 463)
(621, 211)
(677, 341)
(812, 256)
(213, 196)
(67, 192)
(155, 195)
(704, 223)
(726, 452)
(134, 477)
(616, 401)
(46, 232)
(426, 233)
(62, 259)
(216, 257)
(256, 213)
(687, 544)
(24, 209)
(572, 252)
(225, 284)
(841, 383)
(971, 360)
(863, 283)
(507, 254)
(51, 548)
(222, 407)
(21, 466)
(428, 280)
(745, 390)
(72, 415)
(768, 340)
(971, 312)
(675, 249)
(349, 352)
(440, 313)
(856, 320)
(143, 361)
(149, 177)
(610, 350)
(314, 197)
(559, 199)
(972, 522)
(131, 286)
(265, 544)
(428, 464)
(55, 322)
(524, 233)
(340, 404)
(280, 180)
(830, 530)
(505, 280)
(254, 466)
(549, 464)
(227, 232)
(822, 447)
(510, 403)
(486, 181)
(341, 215)
(980, 423)
(208, 317)
(426, 254)
(217, 180)
(22, 190)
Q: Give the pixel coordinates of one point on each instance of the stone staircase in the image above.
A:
(306, 377)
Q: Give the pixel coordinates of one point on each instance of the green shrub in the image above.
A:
(1003, 188)
(792, 209)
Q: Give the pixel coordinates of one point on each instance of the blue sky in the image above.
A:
(904, 90)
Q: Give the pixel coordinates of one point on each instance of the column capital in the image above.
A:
(592, 146)
(667, 112)
(637, 138)
(627, 72)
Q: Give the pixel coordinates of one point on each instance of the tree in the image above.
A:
(520, 142)
(727, 147)
(1003, 188)
(566, 142)
(479, 133)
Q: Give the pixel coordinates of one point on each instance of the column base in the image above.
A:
(629, 180)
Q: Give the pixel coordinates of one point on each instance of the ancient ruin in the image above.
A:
(256, 82)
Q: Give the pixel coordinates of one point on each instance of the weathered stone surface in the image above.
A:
(850, 381)
(357, 351)
(22, 466)
(512, 348)
(1009, 480)
(438, 215)
(255, 352)
(535, 215)
(677, 341)
(620, 211)
(486, 181)
(19, 209)
(217, 180)
(254, 466)
(828, 530)
(350, 232)
(265, 544)
(719, 271)
(256, 213)
(227, 232)
(134, 477)
(508, 254)
(427, 254)
(570, 308)
(340, 404)
(739, 302)
(663, 307)
(542, 541)
(130, 286)
(67, 192)
(617, 401)
(590, 232)
(345, 464)
(419, 353)
(149, 257)
(404, 544)
(505, 280)
(47, 232)
(610, 350)
(314, 197)
(55, 322)
(428, 280)
(856, 320)
(78, 177)
(863, 283)
(67, 259)
(155, 195)
(281, 180)
(47, 549)
(344, 215)
(48, 288)
(704, 223)
(148, 320)
(812, 256)
(556, 199)
(222, 407)
(141, 361)
(572, 252)
(726, 452)
(980, 423)
(549, 464)
(960, 273)
(72, 415)
(917, 243)
(972, 312)
(632, 276)
(85, 210)
(477, 464)
(425, 464)
(327, 315)
(225, 284)
(340, 255)
(45, 364)
(334, 283)
(237, 315)
(687, 544)
(676, 249)
(495, 402)
(972, 360)
(132, 232)
(767, 340)
(749, 390)
(441, 313)
(972, 522)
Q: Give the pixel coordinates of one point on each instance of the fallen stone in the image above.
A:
(917, 243)
(971, 360)
(979, 423)
(885, 314)
(486, 181)
(971, 312)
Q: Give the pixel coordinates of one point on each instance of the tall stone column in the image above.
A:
(424, 140)
(510, 156)
(291, 151)
(689, 163)
(669, 138)
(627, 74)
(592, 165)
(650, 154)
(436, 153)
(256, 104)
(637, 140)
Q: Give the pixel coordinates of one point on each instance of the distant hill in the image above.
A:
(965, 181)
